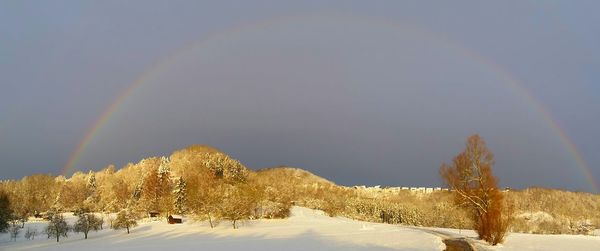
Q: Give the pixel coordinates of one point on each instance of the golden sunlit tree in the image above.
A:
(476, 189)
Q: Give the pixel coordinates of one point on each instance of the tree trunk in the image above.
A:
(234, 227)
(210, 221)
(127, 229)
(85, 234)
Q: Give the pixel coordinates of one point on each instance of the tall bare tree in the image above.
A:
(476, 188)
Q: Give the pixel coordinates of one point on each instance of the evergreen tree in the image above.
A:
(137, 192)
(91, 182)
(93, 198)
(5, 212)
(164, 171)
(164, 187)
(180, 193)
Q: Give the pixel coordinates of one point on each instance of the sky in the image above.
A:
(374, 93)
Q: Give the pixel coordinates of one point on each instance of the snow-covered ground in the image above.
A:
(528, 242)
(306, 229)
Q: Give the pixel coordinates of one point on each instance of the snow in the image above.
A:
(306, 229)
(529, 242)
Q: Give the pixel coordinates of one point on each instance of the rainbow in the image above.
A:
(177, 54)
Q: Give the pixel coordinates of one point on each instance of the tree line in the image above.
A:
(197, 181)
(205, 184)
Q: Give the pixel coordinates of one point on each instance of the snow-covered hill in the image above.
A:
(306, 229)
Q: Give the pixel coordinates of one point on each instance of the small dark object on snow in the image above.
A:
(173, 220)
(458, 244)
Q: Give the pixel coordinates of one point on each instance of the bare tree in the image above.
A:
(87, 222)
(30, 233)
(57, 227)
(14, 231)
(125, 219)
(476, 188)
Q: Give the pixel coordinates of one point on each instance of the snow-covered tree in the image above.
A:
(87, 222)
(110, 201)
(239, 202)
(91, 182)
(150, 191)
(137, 191)
(125, 219)
(164, 186)
(74, 191)
(57, 227)
(204, 195)
(180, 194)
(36, 190)
(223, 166)
(92, 192)
(164, 171)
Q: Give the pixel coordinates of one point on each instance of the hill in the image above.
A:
(301, 175)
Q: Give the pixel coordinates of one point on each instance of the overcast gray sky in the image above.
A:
(360, 92)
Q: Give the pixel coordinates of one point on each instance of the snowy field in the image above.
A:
(528, 242)
(306, 229)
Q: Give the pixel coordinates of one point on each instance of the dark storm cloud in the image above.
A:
(348, 98)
